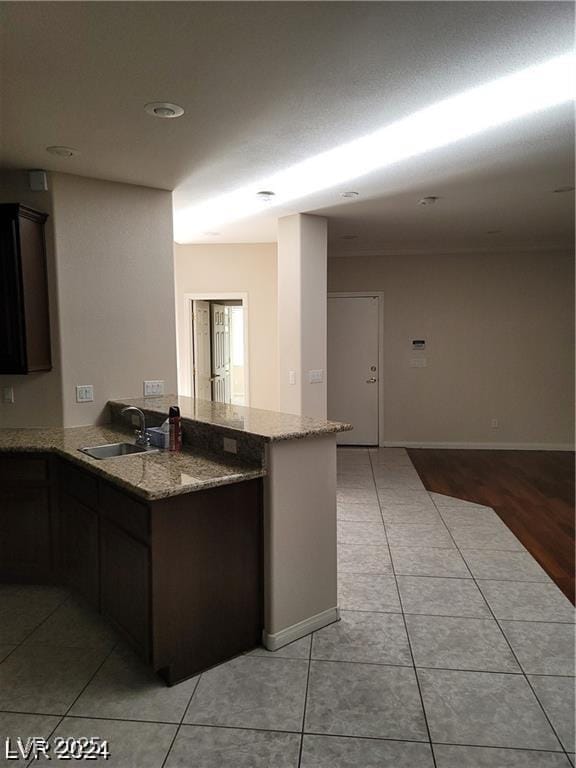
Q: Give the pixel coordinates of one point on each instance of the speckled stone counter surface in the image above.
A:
(268, 426)
(151, 476)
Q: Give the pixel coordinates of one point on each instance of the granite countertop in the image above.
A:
(151, 476)
(269, 426)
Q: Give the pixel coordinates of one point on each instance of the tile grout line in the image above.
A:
(440, 743)
(104, 660)
(44, 620)
(405, 625)
(318, 733)
(305, 701)
(179, 725)
(108, 718)
(21, 643)
(65, 715)
(424, 666)
(506, 639)
(448, 615)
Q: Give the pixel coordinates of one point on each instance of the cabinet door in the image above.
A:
(25, 534)
(24, 315)
(124, 585)
(79, 547)
(12, 326)
(35, 284)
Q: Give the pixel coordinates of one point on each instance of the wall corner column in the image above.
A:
(302, 299)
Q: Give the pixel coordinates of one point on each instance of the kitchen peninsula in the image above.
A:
(195, 556)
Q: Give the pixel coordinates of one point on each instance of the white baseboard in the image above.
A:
(296, 631)
(483, 446)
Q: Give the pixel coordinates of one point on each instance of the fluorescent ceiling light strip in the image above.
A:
(458, 117)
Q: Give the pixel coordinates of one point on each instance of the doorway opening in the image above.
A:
(217, 349)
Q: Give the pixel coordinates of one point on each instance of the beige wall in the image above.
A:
(37, 396)
(500, 335)
(300, 569)
(237, 268)
(116, 290)
(302, 257)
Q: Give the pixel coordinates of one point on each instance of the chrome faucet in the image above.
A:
(142, 437)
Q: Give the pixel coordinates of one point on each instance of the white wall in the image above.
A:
(115, 289)
(500, 335)
(37, 396)
(237, 268)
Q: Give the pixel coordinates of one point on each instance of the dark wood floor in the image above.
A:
(532, 491)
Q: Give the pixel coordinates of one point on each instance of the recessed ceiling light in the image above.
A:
(430, 200)
(469, 113)
(348, 237)
(564, 189)
(350, 193)
(164, 109)
(265, 195)
(63, 151)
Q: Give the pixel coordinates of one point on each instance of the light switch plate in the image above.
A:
(153, 388)
(418, 362)
(7, 394)
(291, 377)
(316, 377)
(85, 393)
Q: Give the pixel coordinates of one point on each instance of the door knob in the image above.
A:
(371, 380)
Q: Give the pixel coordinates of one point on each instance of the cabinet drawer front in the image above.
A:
(23, 469)
(125, 511)
(79, 484)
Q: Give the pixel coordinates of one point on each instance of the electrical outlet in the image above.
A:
(85, 393)
(316, 377)
(153, 388)
(7, 394)
(418, 362)
(494, 424)
(230, 445)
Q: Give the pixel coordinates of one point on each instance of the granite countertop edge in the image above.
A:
(309, 427)
(90, 465)
(40, 442)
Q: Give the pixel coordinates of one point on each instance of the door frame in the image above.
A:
(185, 355)
(380, 296)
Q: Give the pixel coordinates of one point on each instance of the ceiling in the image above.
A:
(268, 84)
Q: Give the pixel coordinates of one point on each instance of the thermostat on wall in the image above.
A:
(418, 344)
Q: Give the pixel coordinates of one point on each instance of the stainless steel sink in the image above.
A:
(115, 450)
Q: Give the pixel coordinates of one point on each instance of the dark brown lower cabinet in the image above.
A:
(25, 532)
(79, 555)
(26, 519)
(125, 585)
(207, 595)
(180, 578)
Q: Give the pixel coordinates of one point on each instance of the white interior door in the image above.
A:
(353, 366)
(202, 368)
(221, 379)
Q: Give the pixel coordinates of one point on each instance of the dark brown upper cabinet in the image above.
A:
(24, 317)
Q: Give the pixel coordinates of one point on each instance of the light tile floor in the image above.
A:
(455, 650)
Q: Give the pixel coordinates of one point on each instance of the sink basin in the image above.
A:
(115, 450)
